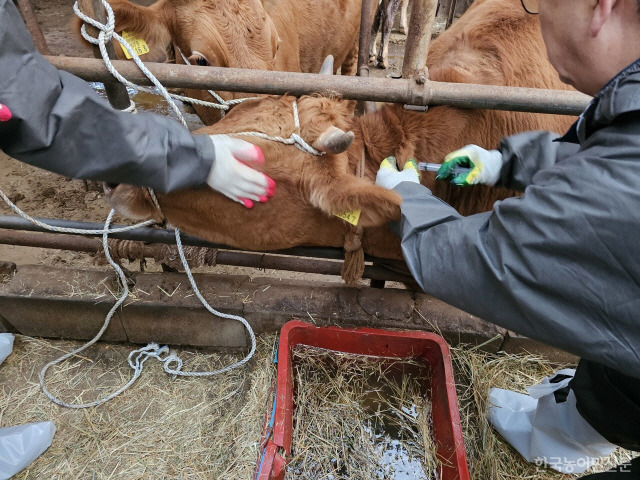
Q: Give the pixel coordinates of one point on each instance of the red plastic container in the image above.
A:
(368, 341)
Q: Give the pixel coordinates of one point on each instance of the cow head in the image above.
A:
(221, 33)
(310, 189)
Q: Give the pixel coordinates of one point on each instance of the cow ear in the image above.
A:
(376, 205)
(333, 140)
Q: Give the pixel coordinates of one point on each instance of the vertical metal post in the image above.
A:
(423, 14)
(116, 92)
(451, 12)
(31, 22)
(366, 21)
(457, 10)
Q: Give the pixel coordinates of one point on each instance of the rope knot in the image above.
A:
(353, 266)
(352, 241)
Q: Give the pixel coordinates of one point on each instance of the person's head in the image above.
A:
(589, 41)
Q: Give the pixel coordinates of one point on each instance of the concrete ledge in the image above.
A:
(60, 303)
(72, 303)
(514, 343)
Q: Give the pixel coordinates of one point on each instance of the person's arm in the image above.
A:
(60, 124)
(525, 154)
(513, 165)
(532, 265)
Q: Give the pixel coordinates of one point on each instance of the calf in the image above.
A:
(285, 35)
(495, 42)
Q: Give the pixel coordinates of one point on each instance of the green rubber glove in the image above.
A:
(471, 165)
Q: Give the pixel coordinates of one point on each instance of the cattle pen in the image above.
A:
(68, 303)
(414, 90)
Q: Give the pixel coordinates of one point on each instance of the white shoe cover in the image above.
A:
(545, 432)
(22, 444)
(6, 345)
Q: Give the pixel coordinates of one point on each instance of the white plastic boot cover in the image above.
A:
(6, 345)
(22, 444)
(546, 432)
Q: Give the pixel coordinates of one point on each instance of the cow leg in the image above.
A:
(387, 18)
(374, 32)
(404, 26)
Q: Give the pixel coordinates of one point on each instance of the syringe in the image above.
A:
(434, 167)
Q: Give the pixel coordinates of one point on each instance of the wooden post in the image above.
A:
(116, 92)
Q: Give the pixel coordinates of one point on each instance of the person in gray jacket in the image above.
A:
(561, 263)
(53, 120)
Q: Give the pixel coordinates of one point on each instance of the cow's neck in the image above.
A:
(427, 137)
(394, 131)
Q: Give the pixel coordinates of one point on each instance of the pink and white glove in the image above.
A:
(231, 176)
(5, 113)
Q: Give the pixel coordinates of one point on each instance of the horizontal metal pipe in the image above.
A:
(223, 257)
(159, 235)
(404, 91)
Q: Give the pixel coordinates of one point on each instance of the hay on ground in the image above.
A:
(161, 428)
(210, 428)
(360, 417)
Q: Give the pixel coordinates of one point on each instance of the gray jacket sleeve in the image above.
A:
(60, 124)
(523, 155)
(538, 265)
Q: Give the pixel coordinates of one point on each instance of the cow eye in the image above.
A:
(202, 61)
(197, 58)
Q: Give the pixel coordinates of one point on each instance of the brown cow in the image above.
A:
(284, 35)
(495, 42)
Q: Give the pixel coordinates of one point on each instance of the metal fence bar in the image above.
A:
(423, 14)
(223, 257)
(367, 13)
(357, 88)
(158, 235)
(31, 22)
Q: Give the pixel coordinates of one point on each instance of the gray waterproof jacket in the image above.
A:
(60, 124)
(560, 264)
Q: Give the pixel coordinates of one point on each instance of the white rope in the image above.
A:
(107, 31)
(150, 350)
(174, 358)
(131, 108)
(294, 139)
(224, 104)
(138, 357)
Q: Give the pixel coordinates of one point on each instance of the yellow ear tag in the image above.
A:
(350, 217)
(138, 44)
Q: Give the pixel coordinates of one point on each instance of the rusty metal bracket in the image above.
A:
(419, 92)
